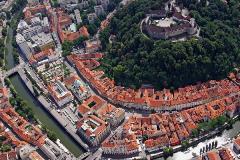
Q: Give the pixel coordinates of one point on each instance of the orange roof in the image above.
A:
(104, 24)
(83, 31)
(65, 20)
(100, 128)
(29, 12)
(3, 156)
(83, 110)
(35, 156)
(4, 92)
(20, 126)
(71, 79)
(213, 156)
(92, 103)
(40, 55)
(3, 95)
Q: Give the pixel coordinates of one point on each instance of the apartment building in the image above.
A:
(60, 93)
(111, 114)
(78, 88)
(67, 29)
(120, 144)
(92, 129)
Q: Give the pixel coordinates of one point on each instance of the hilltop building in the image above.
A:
(168, 27)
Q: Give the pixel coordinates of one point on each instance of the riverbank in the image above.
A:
(44, 117)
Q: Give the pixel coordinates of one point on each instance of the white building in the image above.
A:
(42, 41)
(105, 4)
(35, 27)
(78, 16)
(99, 10)
(23, 45)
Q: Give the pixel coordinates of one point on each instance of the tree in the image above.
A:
(5, 148)
(47, 65)
(67, 48)
(145, 137)
(104, 36)
(15, 56)
(12, 101)
(92, 29)
(195, 133)
(161, 62)
(8, 14)
(167, 151)
(4, 32)
(79, 42)
(52, 136)
(118, 71)
(185, 144)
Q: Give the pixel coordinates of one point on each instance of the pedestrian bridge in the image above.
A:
(13, 70)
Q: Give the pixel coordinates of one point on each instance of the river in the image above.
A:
(44, 117)
(9, 60)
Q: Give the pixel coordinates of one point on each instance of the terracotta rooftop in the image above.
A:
(149, 97)
(92, 126)
(93, 103)
(213, 156)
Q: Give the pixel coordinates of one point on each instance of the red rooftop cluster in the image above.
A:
(11, 140)
(166, 129)
(3, 96)
(21, 127)
(148, 98)
(66, 26)
(98, 117)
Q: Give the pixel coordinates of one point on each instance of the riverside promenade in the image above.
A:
(48, 106)
(69, 128)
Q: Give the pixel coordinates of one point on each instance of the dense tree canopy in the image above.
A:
(133, 59)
